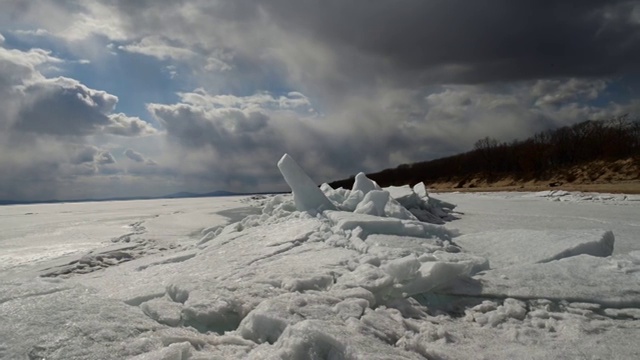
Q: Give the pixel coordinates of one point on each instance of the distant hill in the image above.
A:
(185, 194)
(587, 152)
(178, 195)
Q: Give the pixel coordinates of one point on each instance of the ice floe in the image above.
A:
(562, 195)
(517, 247)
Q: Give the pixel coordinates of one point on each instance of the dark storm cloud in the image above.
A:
(84, 154)
(488, 40)
(141, 159)
(63, 107)
(431, 41)
(238, 141)
(134, 155)
(384, 82)
(105, 158)
(330, 48)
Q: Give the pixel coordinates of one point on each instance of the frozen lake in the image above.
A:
(516, 275)
(35, 233)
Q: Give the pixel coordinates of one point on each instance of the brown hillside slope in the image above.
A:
(621, 176)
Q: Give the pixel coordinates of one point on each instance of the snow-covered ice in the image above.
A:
(504, 248)
(611, 282)
(362, 273)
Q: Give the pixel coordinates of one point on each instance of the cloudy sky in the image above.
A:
(134, 98)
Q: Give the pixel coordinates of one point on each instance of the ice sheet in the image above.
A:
(519, 210)
(505, 248)
(288, 284)
(610, 282)
(37, 233)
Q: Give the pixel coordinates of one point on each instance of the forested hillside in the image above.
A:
(588, 150)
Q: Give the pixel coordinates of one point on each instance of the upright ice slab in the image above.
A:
(364, 184)
(306, 194)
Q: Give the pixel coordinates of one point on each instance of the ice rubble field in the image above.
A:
(364, 273)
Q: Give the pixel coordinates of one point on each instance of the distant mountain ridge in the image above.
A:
(186, 194)
(178, 195)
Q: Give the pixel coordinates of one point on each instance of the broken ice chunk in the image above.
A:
(373, 203)
(306, 195)
(433, 275)
(421, 190)
(364, 184)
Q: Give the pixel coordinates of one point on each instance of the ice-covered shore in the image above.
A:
(366, 273)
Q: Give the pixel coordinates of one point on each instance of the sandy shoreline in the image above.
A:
(617, 177)
(627, 187)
